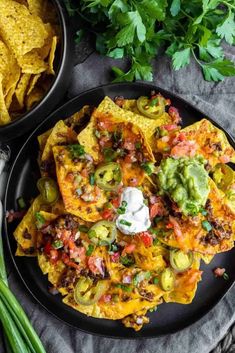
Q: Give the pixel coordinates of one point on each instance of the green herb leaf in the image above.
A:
(125, 223)
(124, 287)
(90, 250)
(82, 228)
(117, 53)
(181, 58)
(40, 220)
(225, 276)
(127, 260)
(57, 244)
(92, 179)
(206, 225)
(175, 7)
(76, 150)
(226, 29)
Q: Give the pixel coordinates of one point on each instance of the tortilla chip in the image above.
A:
(32, 63)
(27, 225)
(20, 30)
(73, 203)
(109, 110)
(52, 56)
(4, 115)
(8, 68)
(212, 142)
(21, 89)
(146, 125)
(78, 119)
(32, 83)
(54, 271)
(116, 311)
(44, 9)
(194, 236)
(34, 97)
(60, 134)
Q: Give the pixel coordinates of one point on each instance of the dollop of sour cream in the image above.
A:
(136, 217)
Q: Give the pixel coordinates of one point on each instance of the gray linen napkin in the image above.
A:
(216, 100)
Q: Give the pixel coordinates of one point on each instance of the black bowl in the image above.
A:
(58, 87)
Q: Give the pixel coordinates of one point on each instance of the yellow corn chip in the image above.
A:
(20, 30)
(52, 56)
(21, 89)
(4, 115)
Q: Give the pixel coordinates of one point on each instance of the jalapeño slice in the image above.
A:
(151, 108)
(108, 176)
(223, 176)
(180, 261)
(103, 233)
(48, 189)
(87, 292)
(167, 279)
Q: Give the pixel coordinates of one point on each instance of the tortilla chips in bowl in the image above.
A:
(34, 62)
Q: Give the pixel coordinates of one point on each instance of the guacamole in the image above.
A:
(185, 181)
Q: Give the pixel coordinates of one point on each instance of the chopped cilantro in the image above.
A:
(153, 102)
(82, 228)
(127, 260)
(225, 276)
(124, 287)
(155, 280)
(92, 179)
(57, 244)
(125, 223)
(90, 250)
(40, 220)
(76, 150)
(148, 167)
(206, 225)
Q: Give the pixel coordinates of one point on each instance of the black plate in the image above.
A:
(22, 182)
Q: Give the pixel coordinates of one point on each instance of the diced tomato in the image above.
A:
(54, 254)
(128, 249)
(84, 173)
(116, 202)
(182, 136)
(174, 114)
(105, 124)
(129, 145)
(107, 214)
(71, 245)
(157, 209)
(130, 158)
(146, 238)
(154, 210)
(69, 177)
(178, 232)
(106, 298)
(184, 148)
(66, 261)
(115, 257)
(78, 252)
(47, 248)
(169, 226)
(224, 159)
(170, 127)
(95, 264)
(218, 272)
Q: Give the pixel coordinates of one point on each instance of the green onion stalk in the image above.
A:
(19, 335)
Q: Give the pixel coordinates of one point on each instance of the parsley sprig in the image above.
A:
(188, 30)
